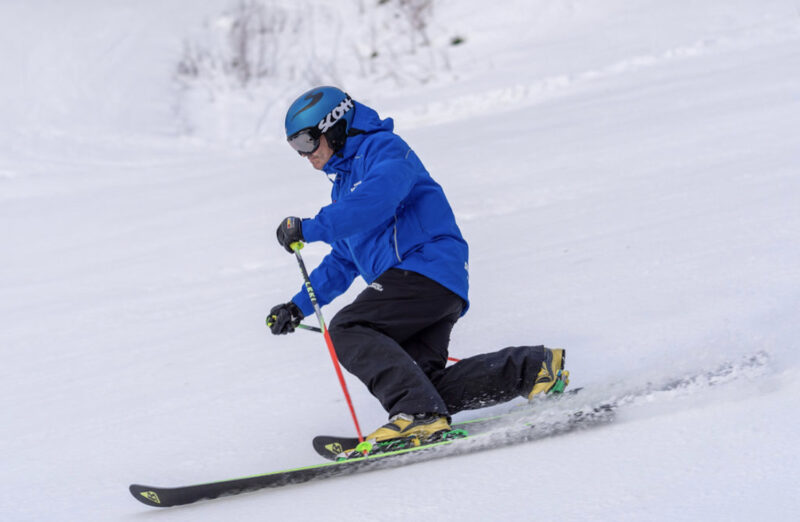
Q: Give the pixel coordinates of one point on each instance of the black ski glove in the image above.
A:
(284, 318)
(290, 231)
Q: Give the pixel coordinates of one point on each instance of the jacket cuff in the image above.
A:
(303, 302)
(311, 231)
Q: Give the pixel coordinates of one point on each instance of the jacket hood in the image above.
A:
(365, 120)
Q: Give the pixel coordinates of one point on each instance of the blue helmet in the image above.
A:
(320, 108)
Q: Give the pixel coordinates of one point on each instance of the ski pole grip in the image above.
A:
(297, 246)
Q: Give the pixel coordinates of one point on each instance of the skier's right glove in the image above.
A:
(283, 319)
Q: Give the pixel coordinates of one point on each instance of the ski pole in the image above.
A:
(309, 328)
(319, 330)
(296, 247)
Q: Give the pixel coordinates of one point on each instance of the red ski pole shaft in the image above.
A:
(296, 247)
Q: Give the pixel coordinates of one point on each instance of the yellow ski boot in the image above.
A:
(402, 425)
(401, 432)
(552, 378)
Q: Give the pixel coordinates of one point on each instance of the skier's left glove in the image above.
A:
(284, 318)
(290, 231)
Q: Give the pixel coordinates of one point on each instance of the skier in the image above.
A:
(390, 223)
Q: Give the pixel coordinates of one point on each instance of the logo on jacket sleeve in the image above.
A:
(376, 286)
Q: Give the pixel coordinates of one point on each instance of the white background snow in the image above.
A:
(627, 174)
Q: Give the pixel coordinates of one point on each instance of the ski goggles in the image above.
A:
(305, 141)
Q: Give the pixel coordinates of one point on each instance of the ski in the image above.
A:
(176, 496)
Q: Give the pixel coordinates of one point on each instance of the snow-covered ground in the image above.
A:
(627, 174)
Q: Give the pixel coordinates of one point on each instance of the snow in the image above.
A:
(626, 173)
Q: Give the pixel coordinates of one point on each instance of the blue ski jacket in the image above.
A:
(386, 212)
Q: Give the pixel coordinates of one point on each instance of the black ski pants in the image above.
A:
(395, 335)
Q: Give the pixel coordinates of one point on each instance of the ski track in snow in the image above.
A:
(541, 90)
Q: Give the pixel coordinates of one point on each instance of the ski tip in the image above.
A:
(146, 495)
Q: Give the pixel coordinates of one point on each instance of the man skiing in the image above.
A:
(390, 223)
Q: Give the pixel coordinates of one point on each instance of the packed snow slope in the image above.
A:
(627, 174)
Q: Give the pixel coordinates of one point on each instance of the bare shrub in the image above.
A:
(258, 40)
